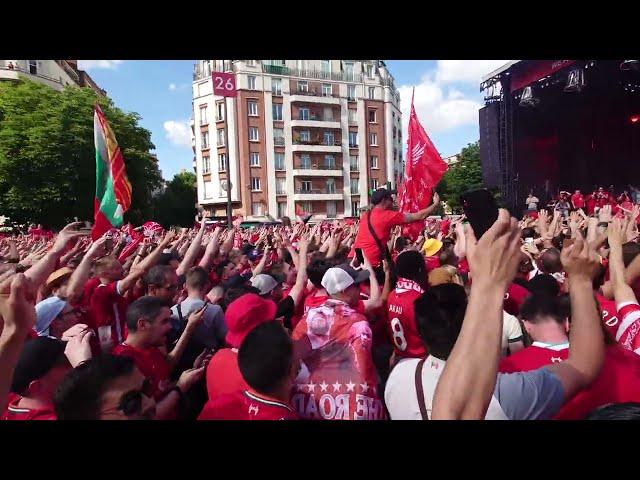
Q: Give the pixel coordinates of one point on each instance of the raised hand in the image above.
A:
(605, 214)
(67, 234)
(579, 259)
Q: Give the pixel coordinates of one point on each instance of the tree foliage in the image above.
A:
(47, 154)
(462, 176)
(175, 206)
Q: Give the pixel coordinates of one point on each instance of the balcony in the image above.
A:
(315, 170)
(312, 95)
(275, 69)
(278, 141)
(316, 145)
(317, 121)
(319, 194)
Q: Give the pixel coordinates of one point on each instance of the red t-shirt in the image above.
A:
(152, 363)
(609, 314)
(591, 204)
(13, 412)
(514, 297)
(577, 200)
(246, 405)
(629, 327)
(223, 374)
(382, 222)
(107, 312)
(401, 320)
(445, 225)
(432, 263)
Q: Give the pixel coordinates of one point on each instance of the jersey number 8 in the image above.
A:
(398, 334)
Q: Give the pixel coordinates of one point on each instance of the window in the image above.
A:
(251, 79)
(282, 209)
(206, 68)
(305, 186)
(372, 93)
(305, 136)
(374, 184)
(252, 108)
(276, 86)
(348, 70)
(351, 92)
(331, 185)
(219, 111)
(221, 190)
(277, 111)
(278, 136)
(329, 161)
(331, 209)
(254, 159)
(372, 116)
(205, 139)
(394, 131)
(353, 139)
(251, 63)
(303, 114)
(219, 66)
(352, 116)
(325, 66)
(206, 164)
(203, 115)
(305, 161)
(369, 69)
(279, 161)
(355, 206)
(328, 138)
(353, 163)
(355, 185)
(328, 114)
(374, 161)
(306, 207)
(253, 134)
(222, 162)
(303, 86)
(221, 138)
(373, 139)
(255, 184)
(208, 189)
(326, 90)
(256, 209)
(33, 67)
(281, 186)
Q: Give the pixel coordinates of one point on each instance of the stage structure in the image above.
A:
(560, 124)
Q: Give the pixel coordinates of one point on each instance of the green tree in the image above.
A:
(462, 176)
(47, 154)
(176, 205)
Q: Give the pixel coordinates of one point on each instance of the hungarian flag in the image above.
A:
(113, 190)
(424, 169)
(304, 217)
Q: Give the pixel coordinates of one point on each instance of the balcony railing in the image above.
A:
(275, 69)
(317, 118)
(312, 92)
(303, 166)
(320, 74)
(278, 141)
(353, 167)
(353, 145)
(317, 141)
(328, 191)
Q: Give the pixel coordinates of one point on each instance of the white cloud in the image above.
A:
(178, 132)
(94, 64)
(468, 71)
(172, 87)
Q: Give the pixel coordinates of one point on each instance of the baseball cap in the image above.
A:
(235, 281)
(37, 358)
(263, 282)
(431, 246)
(254, 254)
(380, 194)
(247, 249)
(244, 313)
(46, 311)
(338, 279)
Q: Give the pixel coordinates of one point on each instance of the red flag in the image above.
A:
(304, 217)
(424, 169)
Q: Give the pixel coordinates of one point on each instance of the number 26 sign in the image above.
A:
(224, 84)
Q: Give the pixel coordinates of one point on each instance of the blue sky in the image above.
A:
(446, 99)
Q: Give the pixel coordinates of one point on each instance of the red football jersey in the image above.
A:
(246, 405)
(533, 357)
(609, 314)
(107, 312)
(627, 334)
(152, 364)
(401, 320)
(514, 297)
(223, 374)
(13, 412)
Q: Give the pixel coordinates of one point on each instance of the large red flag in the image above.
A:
(424, 169)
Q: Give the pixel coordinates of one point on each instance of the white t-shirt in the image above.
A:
(532, 203)
(511, 331)
(532, 395)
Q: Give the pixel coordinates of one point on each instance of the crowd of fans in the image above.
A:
(537, 319)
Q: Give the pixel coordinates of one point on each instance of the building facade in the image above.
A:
(54, 73)
(309, 135)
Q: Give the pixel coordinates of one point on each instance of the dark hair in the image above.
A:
(286, 221)
(410, 265)
(540, 304)
(147, 307)
(629, 251)
(439, 313)
(220, 267)
(401, 243)
(528, 232)
(265, 357)
(316, 270)
(616, 411)
(447, 257)
(157, 275)
(197, 278)
(550, 261)
(78, 396)
(544, 284)
(234, 293)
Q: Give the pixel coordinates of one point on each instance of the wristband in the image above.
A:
(603, 224)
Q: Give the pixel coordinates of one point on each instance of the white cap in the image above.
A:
(338, 279)
(264, 283)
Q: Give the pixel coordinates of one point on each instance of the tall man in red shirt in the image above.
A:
(577, 200)
(412, 279)
(383, 219)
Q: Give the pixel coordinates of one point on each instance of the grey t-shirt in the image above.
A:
(212, 330)
(532, 395)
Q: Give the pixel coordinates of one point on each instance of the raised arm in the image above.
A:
(192, 251)
(139, 270)
(375, 298)
(621, 290)
(81, 274)
(424, 213)
(301, 278)
(469, 377)
(212, 249)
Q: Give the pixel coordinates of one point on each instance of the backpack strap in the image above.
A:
(420, 390)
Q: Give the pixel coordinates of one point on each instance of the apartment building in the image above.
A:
(54, 73)
(310, 135)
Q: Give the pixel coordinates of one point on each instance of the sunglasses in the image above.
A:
(131, 402)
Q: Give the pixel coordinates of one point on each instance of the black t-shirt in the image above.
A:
(286, 309)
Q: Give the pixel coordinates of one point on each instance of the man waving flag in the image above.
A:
(113, 190)
(424, 169)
